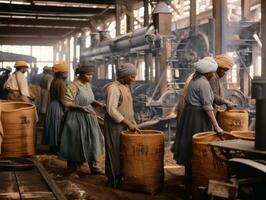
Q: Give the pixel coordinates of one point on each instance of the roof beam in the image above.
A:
(30, 31)
(28, 41)
(43, 22)
(100, 2)
(49, 10)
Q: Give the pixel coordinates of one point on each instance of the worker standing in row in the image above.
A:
(17, 84)
(198, 115)
(82, 139)
(224, 63)
(119, 117)
(55, 110)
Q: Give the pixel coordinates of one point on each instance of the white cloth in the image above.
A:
(205, 65)
(12, 83)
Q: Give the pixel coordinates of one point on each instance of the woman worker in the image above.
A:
(197, 115)
(82, 139)
(55, 109)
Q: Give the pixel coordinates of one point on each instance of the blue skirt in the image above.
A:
(52, 124)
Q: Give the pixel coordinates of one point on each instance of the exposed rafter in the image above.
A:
(100, 2)
(44, 22)
(28, 41)
(28, 31)
(49, 10)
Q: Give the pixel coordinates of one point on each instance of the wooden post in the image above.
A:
(118, 13)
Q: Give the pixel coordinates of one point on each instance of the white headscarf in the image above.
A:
(205, 65)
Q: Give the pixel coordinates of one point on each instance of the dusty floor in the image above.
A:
(93, 187)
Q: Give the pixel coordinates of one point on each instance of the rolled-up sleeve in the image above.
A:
(112, 101)
(206, 96)
(71, 92)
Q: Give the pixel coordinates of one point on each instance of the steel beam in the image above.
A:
(55, 10)
(28, 41)
(29, 31)
(44, 22)
(68, 1)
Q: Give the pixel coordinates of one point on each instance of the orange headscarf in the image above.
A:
(61, 67)
(224, 61)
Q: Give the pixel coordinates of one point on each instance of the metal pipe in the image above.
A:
(119, 44)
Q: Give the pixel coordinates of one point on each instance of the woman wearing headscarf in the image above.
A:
(55, 109)
(197, 115)
(82, 139)
(224, 63)
(119, 117)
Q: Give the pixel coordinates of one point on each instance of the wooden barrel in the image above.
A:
(244, 135)
(18, 121)
(205, 166)
(233, 120)
(142, 160)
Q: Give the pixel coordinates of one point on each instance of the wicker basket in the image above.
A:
(204, 165)
(18, 121)
(142, 159)
(233, 120)
(244, 135)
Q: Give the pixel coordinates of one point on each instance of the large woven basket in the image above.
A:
(142, 159)
(233, 120)
(18, 121)
(244, 135)
(204, 165)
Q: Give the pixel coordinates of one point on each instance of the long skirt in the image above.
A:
(193, 120)
(52, 124)
(112, 134)
(82, 139)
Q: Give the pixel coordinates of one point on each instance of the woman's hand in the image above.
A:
(218, 129)
(88, 110)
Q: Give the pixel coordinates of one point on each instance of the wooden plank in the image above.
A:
(8, 186)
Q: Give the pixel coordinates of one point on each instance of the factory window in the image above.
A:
(110, 72)
(43, 54)
(111, 28)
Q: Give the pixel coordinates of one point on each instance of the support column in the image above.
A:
(244, 72)
(118, 13)
(162, 24)
(148, 55)
(130, 18)
(82, 42)
(220, 17)
(61, 52)
(75, 60)
(263, 38)
(193, 15)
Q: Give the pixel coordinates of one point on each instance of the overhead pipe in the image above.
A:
(119, 44)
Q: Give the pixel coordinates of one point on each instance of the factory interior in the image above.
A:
(132, 99)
